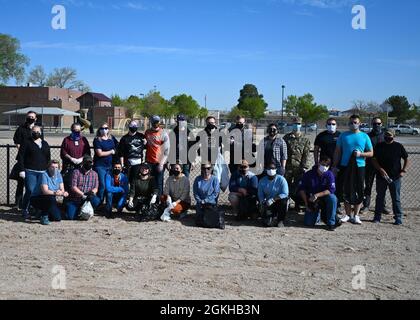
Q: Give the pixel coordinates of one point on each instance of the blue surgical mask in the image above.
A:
(297, 127)
(75, 136)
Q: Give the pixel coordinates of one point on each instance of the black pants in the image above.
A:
(19, 192)
(339, 184)
(48, 206)
(133, 172)
(369, 180)
(279, 209)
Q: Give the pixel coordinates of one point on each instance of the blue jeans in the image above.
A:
(31, 183)
(102, 172)
(74, 206)
(394, 190)
(48, 206)
(158, 177)
(118, 198)
(329, 208)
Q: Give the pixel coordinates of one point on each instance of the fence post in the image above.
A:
(8, 171)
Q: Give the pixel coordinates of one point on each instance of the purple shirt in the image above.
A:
(313, 183)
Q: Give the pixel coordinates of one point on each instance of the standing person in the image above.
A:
(210, 141)
(206, 190)
(238, 145)
(183, 142)
(387, 162)
(176, 193)
(22, 134)
(33, 158)
(273, 193)
(116, 188)
(131, 150)
(73, 149)
(376, 136)
(84, 186)
(298, 150)
(352, 146)
(105, 147)
(317, 189)
(243, 187)
(157, 151)
(326, 141)
(275, 150)
(49, 188)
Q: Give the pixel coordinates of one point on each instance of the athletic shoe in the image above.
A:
(398, 222)
(331, 228)
(345, 219)
(26, 215)
(45, 221)
(376, 219)
(357, 220)
(280, 224)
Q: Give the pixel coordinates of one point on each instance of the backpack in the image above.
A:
(211, 218)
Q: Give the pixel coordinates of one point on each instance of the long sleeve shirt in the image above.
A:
(248, 182)
(313, 183)
(143, 188)
(75, 149)
(274, 150)
(178, 189)
(112, 187)
(206, 191)
(270, 189)
(34, 157)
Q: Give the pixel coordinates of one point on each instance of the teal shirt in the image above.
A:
(349, 142)
(53, 183)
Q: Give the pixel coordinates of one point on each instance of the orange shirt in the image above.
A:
(157, 145)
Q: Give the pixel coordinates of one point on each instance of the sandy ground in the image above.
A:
(126, 259)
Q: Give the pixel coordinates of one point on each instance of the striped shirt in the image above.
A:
(275, 150)
(85, 182)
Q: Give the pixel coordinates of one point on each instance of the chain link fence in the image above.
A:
(410, 193)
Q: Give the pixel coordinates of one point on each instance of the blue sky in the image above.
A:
(213, 48)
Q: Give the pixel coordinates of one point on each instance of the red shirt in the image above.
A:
(157, 145)
(75, 149)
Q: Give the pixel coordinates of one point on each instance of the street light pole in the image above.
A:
(282, 102)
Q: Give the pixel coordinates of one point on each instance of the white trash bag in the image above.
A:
(86, 212)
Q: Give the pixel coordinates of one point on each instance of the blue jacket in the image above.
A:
(270, 189)
(109, 184)
(207, 191)
(249, 182)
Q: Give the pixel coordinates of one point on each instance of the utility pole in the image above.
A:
(282, 102)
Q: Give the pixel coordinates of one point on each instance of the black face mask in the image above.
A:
(133, 130)
(240, 126)
(87, 166)
(144, 174)
(211, 126)
(243, 171)
(30, 121)
(389, 139)
(36, 135)
(377, 128)
(272, 132)
(176, 173)
(116, 172)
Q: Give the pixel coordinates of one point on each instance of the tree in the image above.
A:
(116, 100)
(203, 113)
(66, 78)
(38, 76)
(186, 105)
(402, 110)
(306, 108)
(154, 104)
(13, 62)
(251, 103)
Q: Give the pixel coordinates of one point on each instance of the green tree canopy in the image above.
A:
(116, 100)
(306, 108)
(402, 110)
(155, 104)
(66, 78)
(13, 62)
(186, 105)
(251, 104)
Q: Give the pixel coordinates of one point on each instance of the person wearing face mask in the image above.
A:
(274, 150)
(131, 150)
(22, 134)
(116, 188)
(273, 194)
(326, 141)
(243, 187)
(206, 190)
(73, 149)
(143, 192)
(376, 136)
(176, 193)
(387, 161)
(210, 141)
(298, 150)
(316, 188)
(84, 187)
(105, 146)
(44, 198)
(241, 143)
(157, 151)
(353, 147)
(184, 139)
(33, 157)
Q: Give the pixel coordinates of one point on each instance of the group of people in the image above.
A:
(129, 174)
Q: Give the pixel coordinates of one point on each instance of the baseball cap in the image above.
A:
(133, 124)
(389, 133)
(155, 119)
(180, 117)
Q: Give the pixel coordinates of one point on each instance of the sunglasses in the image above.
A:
(207, 168)
(104, 128)
(331, 124)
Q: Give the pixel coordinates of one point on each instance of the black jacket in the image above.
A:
(32, 157)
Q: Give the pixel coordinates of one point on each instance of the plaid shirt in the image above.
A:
(85, 182)
(279, 148)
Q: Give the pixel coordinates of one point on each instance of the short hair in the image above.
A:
(271, 163)
(325, 158)
(206, 163)
(239, 117)
(355, 116)
(53, 162)
(272, 125)
(38, 127)
(117, 163)
(210, 117)
(376, 118)
(331, 119)
(29, 112)
(75, 124)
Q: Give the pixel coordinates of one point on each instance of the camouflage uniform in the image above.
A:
(298, 150)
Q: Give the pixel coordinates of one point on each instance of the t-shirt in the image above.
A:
(350, 142)
(389, 157)
(53, 183)
(157, 145)
(327, 142)
(104, 145)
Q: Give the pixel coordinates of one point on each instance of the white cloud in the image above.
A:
(323, 4)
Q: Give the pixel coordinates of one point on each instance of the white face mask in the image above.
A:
(271, 172)
(332, 128)
(323, 169)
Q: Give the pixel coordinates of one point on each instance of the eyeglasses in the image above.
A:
(207, 168)
(104, 128)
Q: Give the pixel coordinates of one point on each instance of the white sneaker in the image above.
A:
(345, 219)
(357, 220)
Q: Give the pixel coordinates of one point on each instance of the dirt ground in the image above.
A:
(126, 259)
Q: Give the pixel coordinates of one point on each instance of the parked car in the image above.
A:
(310, 127)
(364, 127)
(225, 125)
(404, 129)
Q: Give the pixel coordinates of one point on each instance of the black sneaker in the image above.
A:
(331, 228)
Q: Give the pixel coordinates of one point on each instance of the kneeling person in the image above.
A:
(116, 186)
(273, 194)
(316, 189)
